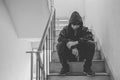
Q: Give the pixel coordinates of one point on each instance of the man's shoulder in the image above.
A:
(64, 30)
(65, 27)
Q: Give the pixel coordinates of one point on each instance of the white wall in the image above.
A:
(29, 16)
(64, 8)
(104, 16)
(14, 62)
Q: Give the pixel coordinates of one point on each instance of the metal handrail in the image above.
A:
(46, 30)
(43, 39)
(39, 64)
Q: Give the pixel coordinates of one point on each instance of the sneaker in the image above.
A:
(64, 71)
(89, 73)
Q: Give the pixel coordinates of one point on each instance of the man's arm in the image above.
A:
(63, 36)
(88, 36)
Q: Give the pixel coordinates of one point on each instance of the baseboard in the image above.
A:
(108, 68)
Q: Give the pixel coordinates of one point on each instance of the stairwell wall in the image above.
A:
(14, 62)
(29, 16)
(64, 8)
(104, 16)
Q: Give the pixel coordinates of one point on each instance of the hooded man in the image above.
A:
(76, 43)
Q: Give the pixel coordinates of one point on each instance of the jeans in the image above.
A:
(86, 51)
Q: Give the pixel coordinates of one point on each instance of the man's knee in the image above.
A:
(87, 46)
(61, 46)
(89, 49)
(91, 45)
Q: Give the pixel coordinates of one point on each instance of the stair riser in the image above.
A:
(58, 27)
(97, 66)
(61, 22)
(78, 78)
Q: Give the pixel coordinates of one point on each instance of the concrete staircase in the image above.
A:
(76, 68)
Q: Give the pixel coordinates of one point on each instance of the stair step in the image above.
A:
(61, 22)
(97, 66)
(62, 19)
(67, 77)
(58, 27)
(79, 74)
(61, 25)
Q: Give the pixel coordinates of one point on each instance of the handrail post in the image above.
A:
(37, 67)
(46, 47)
(31, 66)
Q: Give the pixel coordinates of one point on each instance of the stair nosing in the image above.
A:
(82, 61)
(96, 74)
(62, 19)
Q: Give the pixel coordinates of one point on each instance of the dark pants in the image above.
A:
(86, 51)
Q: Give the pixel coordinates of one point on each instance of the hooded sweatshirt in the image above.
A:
(67, 33)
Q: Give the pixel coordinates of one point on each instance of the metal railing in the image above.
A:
(43, 53)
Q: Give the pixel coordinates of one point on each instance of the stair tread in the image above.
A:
(57, 77)
(82, 61)
(79, 74)
(97, 66)
(62, 19)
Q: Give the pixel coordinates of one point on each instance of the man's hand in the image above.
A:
(75, 52)
(91, 41)
(71, 43)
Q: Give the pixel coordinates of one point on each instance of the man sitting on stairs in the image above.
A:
(75, 43)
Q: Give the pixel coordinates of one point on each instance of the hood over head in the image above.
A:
(75, 19)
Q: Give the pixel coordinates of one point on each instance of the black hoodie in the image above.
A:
(67, 34)
(75, 19)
